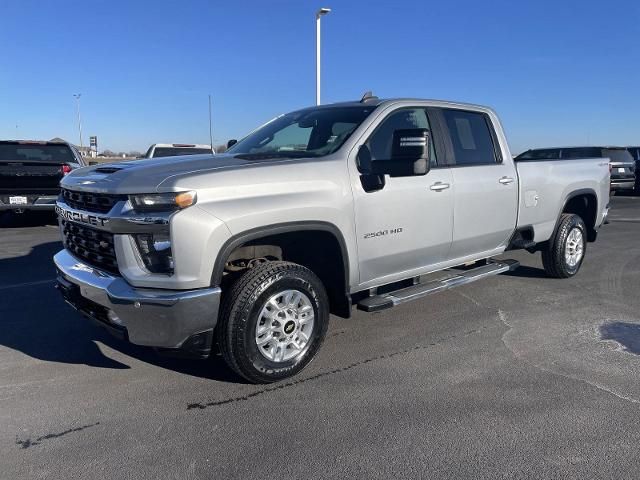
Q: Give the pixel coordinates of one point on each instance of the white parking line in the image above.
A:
(26, 284)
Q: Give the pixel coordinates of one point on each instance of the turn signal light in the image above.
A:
(185, 199)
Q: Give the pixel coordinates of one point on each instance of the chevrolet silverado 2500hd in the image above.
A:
(319, 209)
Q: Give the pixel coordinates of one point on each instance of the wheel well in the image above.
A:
(586, 206)
(318, 250)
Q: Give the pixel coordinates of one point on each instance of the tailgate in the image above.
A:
(27, 177)
(622, 169)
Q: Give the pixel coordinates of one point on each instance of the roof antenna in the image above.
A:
(368, 96)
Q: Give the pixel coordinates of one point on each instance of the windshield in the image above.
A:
(306, 133)
(21, 152)
(175, 151)
(617, 155)
(542, 154)
(581, 152)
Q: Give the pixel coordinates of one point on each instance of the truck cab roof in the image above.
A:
(376, 102)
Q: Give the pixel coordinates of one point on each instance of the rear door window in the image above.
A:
(20, 152)
(471, 137)
(617, 155)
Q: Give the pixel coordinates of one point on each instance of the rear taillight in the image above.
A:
(65, 169)
(610, 168)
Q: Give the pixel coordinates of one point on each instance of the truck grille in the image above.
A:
(91, 245)
(91, 202)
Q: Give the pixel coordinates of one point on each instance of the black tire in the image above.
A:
(239, 316)
(553, 257)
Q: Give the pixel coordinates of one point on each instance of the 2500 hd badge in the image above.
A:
(382, 233)
(74, 216)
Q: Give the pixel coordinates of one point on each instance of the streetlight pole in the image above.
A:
(210, 129)
(77, 97)
(319, 13)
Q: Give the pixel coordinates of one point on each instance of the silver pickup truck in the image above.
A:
(356, 203)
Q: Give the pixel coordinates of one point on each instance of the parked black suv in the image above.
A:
(621, 163)
(30, 173)
(635, 153)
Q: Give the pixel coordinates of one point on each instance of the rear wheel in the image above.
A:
(273, 321)
(565, 253)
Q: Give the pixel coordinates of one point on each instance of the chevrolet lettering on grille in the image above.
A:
(81, 217)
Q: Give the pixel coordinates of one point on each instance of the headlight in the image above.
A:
(157, 202)
(155, 251)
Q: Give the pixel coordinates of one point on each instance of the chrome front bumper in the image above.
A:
(144, 316)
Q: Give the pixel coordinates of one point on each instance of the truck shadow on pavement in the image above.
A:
(29, 219)
(624, 333)
(36, 321)
(527, 272)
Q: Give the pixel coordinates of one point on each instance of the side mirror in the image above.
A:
(371, 182)
(409, 155)
(231, 143)
(410, 152)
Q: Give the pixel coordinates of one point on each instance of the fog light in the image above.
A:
(155, 251)
(113, 318)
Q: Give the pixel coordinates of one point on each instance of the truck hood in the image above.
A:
(145, 176)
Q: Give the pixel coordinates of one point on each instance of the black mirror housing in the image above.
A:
(409, 155)
(231, 142)
(410, 152)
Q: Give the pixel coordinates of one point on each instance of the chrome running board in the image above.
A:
(456, 278)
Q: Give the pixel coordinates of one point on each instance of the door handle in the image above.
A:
(439, 186)
(506, 180)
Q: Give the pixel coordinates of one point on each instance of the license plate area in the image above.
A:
(19, 200)
(70, 291)
(621, 170)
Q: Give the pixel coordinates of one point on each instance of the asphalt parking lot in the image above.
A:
(515, 376)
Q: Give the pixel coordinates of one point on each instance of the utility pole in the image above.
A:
(77, 97)
(210, 127)
(323, 11)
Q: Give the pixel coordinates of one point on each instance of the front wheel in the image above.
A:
(565, 253)
(273, 321)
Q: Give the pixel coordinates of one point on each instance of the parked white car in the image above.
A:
(176, 149)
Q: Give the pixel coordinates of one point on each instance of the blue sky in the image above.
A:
(557, 72)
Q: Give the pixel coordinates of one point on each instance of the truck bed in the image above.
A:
(546, 185)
